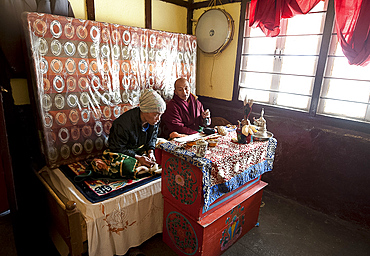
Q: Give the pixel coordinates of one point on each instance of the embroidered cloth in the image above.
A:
(100, 189)
(227, 166)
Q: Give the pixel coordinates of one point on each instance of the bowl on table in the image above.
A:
(191, 143)
(212, 142)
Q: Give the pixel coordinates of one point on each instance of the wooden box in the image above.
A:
(217, 231)
(182, 186)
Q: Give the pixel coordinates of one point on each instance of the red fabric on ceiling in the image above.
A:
(267, 14)
(353, 26)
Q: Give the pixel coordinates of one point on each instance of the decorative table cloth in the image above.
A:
(229, 165)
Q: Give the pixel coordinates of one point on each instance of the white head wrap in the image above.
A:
(151, 101)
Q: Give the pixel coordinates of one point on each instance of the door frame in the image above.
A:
(6, 160)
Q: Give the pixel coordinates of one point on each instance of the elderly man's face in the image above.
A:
(182, 89)
(152, 118)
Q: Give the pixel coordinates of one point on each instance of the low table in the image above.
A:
(211, 202)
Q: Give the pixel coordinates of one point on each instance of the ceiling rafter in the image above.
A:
(179, 2)
(190, 5)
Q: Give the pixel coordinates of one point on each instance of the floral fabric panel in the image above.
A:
(87, 73)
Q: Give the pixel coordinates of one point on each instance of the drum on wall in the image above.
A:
(214, 30)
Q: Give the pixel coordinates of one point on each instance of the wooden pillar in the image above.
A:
(74, 221)
(321, 63)
(148, 14)
(6, 163)
(190, 18)
(90, 8)
(243, 10)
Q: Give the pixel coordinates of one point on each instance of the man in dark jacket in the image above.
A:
(135, 131)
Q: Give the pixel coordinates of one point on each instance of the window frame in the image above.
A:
(312, 113)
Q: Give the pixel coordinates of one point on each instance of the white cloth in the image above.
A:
(152, 102)
(116, 224)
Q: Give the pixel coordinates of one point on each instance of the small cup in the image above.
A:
(212, 143)
(200, 148)
(191, 143)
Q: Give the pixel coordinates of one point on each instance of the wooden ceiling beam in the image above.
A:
(179, 2)
(207, 3)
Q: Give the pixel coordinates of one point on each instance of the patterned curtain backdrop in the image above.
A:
(352, 20)
(87, 73)
(267, 14)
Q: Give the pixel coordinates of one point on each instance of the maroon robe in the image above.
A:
(183, 116)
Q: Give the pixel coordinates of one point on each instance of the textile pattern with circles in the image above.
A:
(88, 73)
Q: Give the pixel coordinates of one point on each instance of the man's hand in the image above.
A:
(206, 114)
(145, 160)
(152, 155)
(176, 135)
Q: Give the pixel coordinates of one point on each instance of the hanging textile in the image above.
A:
(353, 26)
(267, 14)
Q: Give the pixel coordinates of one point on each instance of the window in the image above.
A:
(283, 70)
(346, 88)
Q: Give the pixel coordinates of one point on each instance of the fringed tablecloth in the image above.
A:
(229, 165)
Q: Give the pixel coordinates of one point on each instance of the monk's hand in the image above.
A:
(206, 114)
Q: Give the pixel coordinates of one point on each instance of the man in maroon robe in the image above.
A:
(184, 114)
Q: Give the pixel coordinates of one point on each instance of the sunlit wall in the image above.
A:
(168, 17)
(79, 8)
(215, 73)
(123, 12)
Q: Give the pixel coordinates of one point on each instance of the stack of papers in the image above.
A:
(193, 137)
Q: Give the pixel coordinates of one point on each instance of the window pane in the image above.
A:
(296, 84)
(260, 63)
(281, 70)
(348, 90)
(338, 49)
(298, 24)
(319, 7)
(302, 45)
(256, 32)
(256, 95)
(255, 80)
(342, 69)
(259, 45)
(342, 108)
(294, 101)
(300, 65)
(343, 93)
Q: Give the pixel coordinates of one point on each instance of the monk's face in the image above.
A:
(151, 118)
(182, 89)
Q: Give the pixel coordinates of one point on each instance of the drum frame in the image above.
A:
(230, 33)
